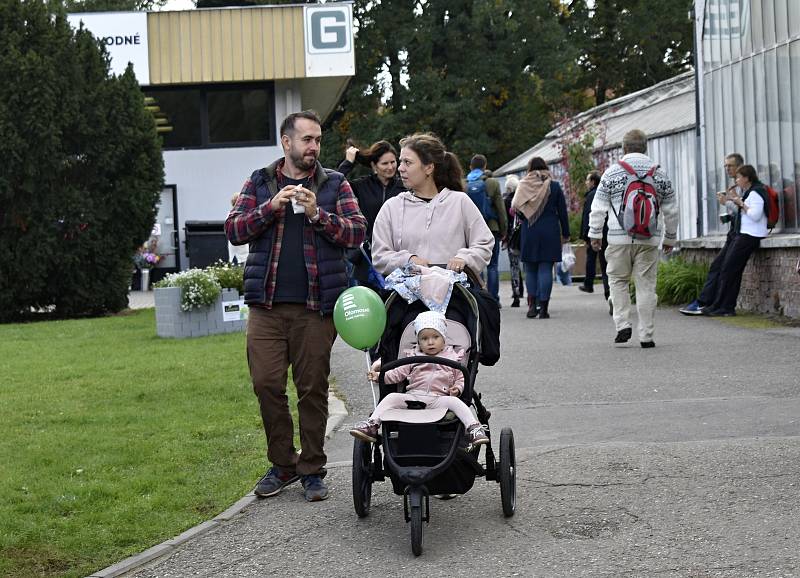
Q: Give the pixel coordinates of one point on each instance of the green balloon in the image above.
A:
(360, 317)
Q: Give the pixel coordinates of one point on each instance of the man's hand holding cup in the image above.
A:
(282, 198)
(304, 201)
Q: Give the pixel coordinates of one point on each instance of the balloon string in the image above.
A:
(371, 383)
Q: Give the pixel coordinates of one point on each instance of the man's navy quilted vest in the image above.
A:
(330, 257)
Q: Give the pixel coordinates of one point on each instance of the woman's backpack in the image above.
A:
(772, 207)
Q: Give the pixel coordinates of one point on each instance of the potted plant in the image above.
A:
(200, 302)
(145, 259)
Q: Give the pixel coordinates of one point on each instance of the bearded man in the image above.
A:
(298, 219)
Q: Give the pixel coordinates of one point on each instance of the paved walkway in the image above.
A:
(681, 460)
(141, 299)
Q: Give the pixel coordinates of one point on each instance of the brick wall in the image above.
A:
(770, 283)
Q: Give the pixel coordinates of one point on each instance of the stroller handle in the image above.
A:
(414, 359)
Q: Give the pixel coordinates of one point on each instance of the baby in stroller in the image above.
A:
(430, 385)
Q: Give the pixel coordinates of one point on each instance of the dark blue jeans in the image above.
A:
(539, 280)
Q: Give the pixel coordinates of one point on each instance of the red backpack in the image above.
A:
(638, 214)
(772, 207)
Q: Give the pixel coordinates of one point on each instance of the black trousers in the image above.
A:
(591, 267)
(730, 274)
(711, 287)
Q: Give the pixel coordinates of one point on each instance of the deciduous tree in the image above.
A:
(484, 76)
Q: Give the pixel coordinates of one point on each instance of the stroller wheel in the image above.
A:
(416, 530)
(508, 472)
(416, 509)
(362, 476)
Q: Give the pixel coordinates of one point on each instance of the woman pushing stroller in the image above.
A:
(432, 384)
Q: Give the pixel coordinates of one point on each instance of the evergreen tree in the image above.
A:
(82, 168)
(628, 45)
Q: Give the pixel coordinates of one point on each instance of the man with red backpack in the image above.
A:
(637, 198)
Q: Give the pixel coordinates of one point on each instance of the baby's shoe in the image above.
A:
(477, 435)
(366, 430)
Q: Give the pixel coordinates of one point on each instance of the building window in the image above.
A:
(237, 116)
(212, 116)
(177, 114)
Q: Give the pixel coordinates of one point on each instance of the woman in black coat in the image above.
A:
(371, 191)
(540, 202)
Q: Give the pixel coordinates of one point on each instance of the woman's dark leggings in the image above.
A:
(730, 274)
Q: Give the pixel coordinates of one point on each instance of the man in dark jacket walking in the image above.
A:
(592, 182)
(298, 218)
(497, 225)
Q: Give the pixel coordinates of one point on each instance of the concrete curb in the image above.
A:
(336, 414)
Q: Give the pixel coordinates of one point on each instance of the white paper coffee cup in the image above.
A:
(297, 207)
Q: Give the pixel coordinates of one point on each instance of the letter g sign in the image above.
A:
(328, 31)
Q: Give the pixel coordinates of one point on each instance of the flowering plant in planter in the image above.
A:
(199, 288)
(230, 276)
(146, 256)
(146, 259)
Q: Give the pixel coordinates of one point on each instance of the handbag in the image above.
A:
(567, 257)
(515, 238)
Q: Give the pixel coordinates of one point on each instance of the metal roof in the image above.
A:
(665, 108)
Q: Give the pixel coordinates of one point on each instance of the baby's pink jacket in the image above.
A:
(429, 378)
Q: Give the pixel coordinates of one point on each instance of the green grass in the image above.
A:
(758, 321)
(115, 440)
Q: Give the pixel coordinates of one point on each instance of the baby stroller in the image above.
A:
(424, 451)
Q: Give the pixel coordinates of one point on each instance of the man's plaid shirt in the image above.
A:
(247, 221)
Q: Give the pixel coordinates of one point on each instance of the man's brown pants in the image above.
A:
(289, 334)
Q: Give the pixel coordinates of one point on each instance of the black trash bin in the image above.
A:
(205, 242)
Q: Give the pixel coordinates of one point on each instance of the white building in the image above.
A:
(220, 81)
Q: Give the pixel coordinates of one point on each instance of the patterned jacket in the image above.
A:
(341, 225)
(608, 200)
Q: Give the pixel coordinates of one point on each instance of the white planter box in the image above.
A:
(172, 321)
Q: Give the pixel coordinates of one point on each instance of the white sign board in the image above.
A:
(124, 35)
(329, 40)
(234, 310)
